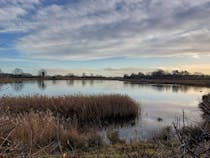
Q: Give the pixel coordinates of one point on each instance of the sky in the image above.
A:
(106, 37)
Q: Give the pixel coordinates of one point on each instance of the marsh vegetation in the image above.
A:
(40, 133)
(85, 109)
(32, 125)
(74, 125)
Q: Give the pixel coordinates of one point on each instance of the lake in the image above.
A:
(160, 104)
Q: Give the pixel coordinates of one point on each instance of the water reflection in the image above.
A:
(17, 86)
(1, 86)
(83, 83)
(175, 88)
(70, 82)
(54, 82)
(164, 87)
(41, 84)
(160, 103)
(91, 82)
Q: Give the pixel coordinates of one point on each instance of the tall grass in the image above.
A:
(84, 109)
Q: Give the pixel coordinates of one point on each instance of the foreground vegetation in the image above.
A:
(36, 125)
(51, 130)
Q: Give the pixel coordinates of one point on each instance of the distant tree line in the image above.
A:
(161, 74)
(19, 73)
(158, 74)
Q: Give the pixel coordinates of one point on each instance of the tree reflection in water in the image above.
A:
(1, 85)
(17, 86)
(164, 87)
(83, 83)
(91, 82)
(54, 82)
(42, 85)
(70, 82)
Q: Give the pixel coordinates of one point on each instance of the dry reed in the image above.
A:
(36, 125)
(84, 109)
(41, 133)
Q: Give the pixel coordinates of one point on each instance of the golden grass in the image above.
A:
(84, 109)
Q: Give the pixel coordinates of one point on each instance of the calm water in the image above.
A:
(157, 101)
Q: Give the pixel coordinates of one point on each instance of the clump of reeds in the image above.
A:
(38, 133)
(84, 109)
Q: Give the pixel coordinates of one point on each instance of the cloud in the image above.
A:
(192, 68)
(13, 13)
(89, 29)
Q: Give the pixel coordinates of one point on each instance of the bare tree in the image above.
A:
(83, 74)
(42, 73)
(17, 71)
(70, 75)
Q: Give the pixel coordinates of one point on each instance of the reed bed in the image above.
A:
(84, 109)
(36, 125)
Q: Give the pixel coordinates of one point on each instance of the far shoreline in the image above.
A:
(186, 82)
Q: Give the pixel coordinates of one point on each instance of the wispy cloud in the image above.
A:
(89, 29)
